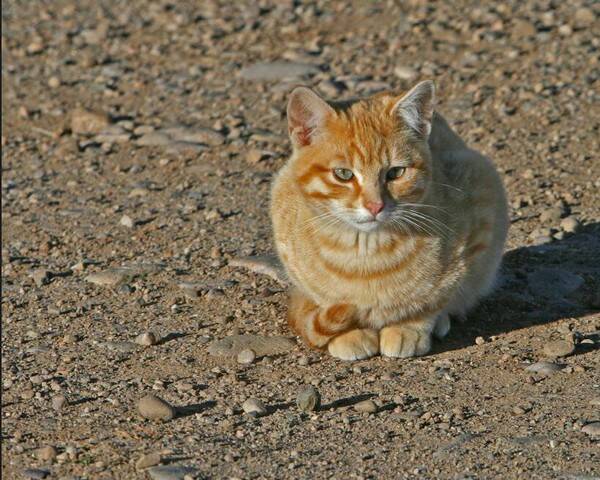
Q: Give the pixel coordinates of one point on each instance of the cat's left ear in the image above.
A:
(415, 108)
(306, 114)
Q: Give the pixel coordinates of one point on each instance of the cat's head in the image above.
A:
(362, 163)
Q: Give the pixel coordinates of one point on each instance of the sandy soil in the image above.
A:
(139, 140)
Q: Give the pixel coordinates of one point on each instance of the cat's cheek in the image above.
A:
(411, 188)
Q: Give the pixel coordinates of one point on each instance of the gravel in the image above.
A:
(259, 344)
(180, 125)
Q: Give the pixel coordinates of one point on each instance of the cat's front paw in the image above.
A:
(442, 326)
(355, 345)
(404, 341)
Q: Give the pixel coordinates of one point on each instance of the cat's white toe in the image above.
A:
(403, 341)
(355, 345)
(442, 326)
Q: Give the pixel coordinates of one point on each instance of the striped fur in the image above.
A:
(368, 283)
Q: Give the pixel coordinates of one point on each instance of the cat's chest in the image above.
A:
(364, 269)
(366, 252)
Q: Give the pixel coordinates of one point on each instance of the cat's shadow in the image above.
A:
(537, 285)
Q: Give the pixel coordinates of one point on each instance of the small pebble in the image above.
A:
(27, 394)
(551, 214)
(87, 122)
(47, 453)
(41, 277)
(146, 338)
(36, 46)
(303, 361)
(125, 288)
(559, 348)
(592, 429)
(565, 30)
(366, 406)
(528, 174)
(584, 17)
(71, 452)
(542, 240)
(253, 406)
(127, 221)
(308, 399)
(254, 156)
(405, 73)
(246, 356)
(570, 224)
(148, 460)
(54, 82)
(58, 402)
(480, 340)
(155, 408)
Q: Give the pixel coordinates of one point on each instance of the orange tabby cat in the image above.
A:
(385, 222)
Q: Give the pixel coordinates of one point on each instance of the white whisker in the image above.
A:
(450, 186)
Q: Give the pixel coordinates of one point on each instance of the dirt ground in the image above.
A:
(139, 140)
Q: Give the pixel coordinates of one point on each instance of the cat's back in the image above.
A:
(471, 190)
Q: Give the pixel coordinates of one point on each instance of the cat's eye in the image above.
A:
(343, 174)
(394, 173)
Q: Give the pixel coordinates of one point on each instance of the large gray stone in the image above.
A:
(263, 264)
(277, 70)
(201, 135)
(544, 368)
(170, 472)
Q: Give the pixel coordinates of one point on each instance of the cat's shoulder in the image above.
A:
(443, 137)
(453, 155)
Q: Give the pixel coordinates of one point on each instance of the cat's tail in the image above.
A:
(317, 325)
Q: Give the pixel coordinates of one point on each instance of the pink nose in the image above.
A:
(374, 207)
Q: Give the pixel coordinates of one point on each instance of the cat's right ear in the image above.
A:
(416, 107)
(306, 115)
